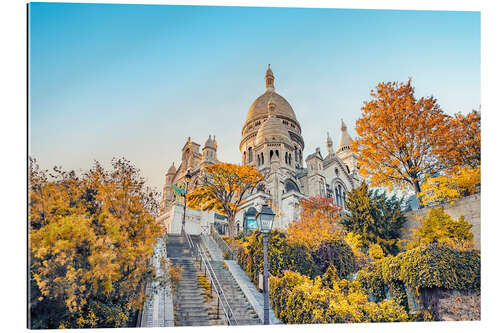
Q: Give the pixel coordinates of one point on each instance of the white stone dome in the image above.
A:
(272, 130)
(258, 109)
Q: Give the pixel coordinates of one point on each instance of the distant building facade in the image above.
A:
(271, 140)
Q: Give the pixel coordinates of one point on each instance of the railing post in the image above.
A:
(218, 307)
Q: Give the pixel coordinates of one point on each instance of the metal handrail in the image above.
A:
(221, 243)
(189, 240)
(221, 297)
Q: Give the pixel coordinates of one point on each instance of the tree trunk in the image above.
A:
(230, 224)
(429, 300)
(416, 186)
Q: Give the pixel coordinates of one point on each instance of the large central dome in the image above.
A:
(258, 109)
(277, 128)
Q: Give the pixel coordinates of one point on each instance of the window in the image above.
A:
(250, 155)
(291, 186)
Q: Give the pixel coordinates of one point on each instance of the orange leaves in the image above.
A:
(91, 239)
(317, 224)
(463, 142)
(397, 133)
(223, 189)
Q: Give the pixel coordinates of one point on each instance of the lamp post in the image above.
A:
(188, 178)
(265, 220)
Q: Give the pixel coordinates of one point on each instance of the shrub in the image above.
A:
(337, 253)
(423, 268)
(295, 257)
(439, 227)
(299, 300)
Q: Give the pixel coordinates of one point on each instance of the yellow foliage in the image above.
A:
(91, 238)
(375, 251)
(438, 227)
(223, 190)
(449, 188)
(297, 299)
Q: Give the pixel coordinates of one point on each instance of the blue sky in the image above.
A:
(137, 80)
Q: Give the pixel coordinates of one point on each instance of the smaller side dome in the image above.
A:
(172, 170)
(210, 143)
(345, 140)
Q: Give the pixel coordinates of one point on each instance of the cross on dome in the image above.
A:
(269, 79)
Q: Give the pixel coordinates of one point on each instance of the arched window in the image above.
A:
(262, 158)
(277, 153)
(340, 195)
(291, 186)
(250, 154)
(295, 151)
(271, 154)
(244, 157)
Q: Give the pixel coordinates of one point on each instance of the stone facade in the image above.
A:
(271, 140)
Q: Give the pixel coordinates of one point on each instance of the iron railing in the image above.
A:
(223, 246)
(214, 282)
(215, 285)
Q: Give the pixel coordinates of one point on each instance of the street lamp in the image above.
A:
(265, 220)
(188, 178)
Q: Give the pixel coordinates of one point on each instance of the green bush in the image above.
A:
(424, 267)
(299, 300)
(283, 256)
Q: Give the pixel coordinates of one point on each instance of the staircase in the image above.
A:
(242, 310)
(190, 307)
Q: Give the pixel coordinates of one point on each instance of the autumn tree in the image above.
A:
(373, 216)
(440, 228)
(318, 222)
(462, 147)
(449, 187)
(91, 238)
(397, 136)
(223, 189)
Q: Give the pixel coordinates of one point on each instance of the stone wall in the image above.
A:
(469, 207)
(460, 305)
